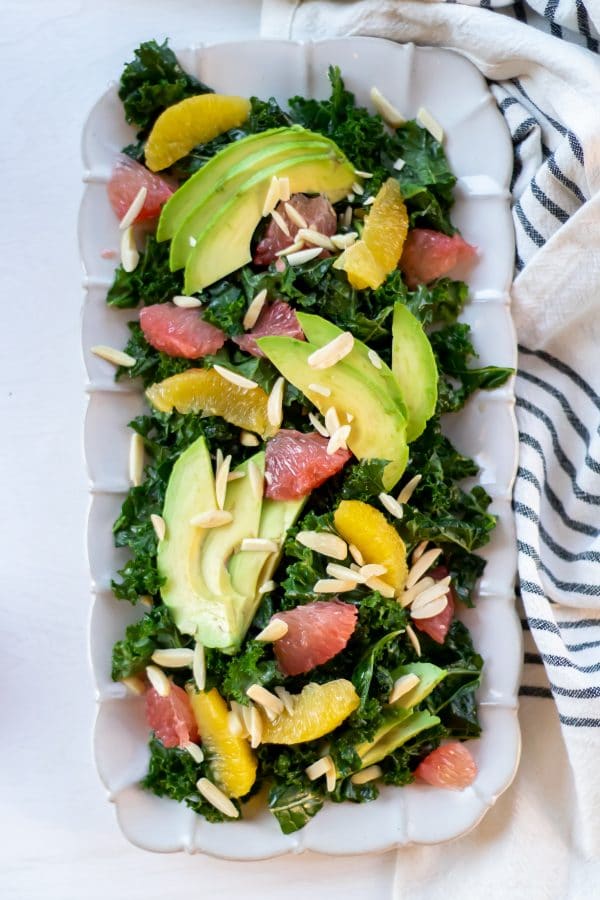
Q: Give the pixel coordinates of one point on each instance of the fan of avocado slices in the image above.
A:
(213, 560)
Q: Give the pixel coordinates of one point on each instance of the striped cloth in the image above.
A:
(546, 81)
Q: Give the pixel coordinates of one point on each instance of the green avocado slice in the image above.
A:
(224, 244)
(195, 189)
(378, 428)
(384, 744)
(224, 189)
(430, 676)
(413, 364)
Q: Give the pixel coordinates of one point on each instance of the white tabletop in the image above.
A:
(58, 835)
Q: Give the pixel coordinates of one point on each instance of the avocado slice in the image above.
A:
(320, 331)
(209, 599)
(192, 193)
(430, 676)
(414, 366)
(224, 244)
(228, 186)
(394, 737)
(378, 427)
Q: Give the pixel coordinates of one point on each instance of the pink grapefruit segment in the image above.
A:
(179, 332)
(450, 766)
(171, 718)
(437, 626)
(127, 177)
(316, 633)
(428, 255)
(297, 463)
(278, 318)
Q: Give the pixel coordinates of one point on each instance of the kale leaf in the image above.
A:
(157, 629)
(294, 805)
(150, 282)
(454, 350)
(153, 81)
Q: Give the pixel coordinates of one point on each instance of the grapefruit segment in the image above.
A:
(316, 633)
(278, 318)
(127, 177)
(179, 332)
(171, 718)
(429, 254)
(450, 766)
(437, 626)
(297, 463)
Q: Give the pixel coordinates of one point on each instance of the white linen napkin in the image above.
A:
(549, 92)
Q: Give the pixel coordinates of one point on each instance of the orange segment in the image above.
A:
(387, 226)
(206, 391)
(369, 261)
(378, 541)
(231, 760)
(192, 121)
(318, 709)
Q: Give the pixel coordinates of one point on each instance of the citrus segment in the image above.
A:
(298, 462)
(378, 541)
(318, 709)
(386, 226)
(450, 766)
(206, 391)
(179, 332)
(126, 180)
(316, 633)
(231, 760)
(195, 120)
(369, 261)
(170, 717)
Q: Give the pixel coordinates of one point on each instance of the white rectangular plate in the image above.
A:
(480, 155)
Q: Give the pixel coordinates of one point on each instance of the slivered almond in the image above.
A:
(402, 686)
(350, 198)
(423, 564)
(199, 666)
(358, 188)
(407, 492)
(134, 209)
(111, 355)
(136, 459)
(385, 589)
(280, 222)
(318, 425)
(219, 457)
(292, 248)
(187, 302)
(363, 174)
(338, 439)
(286, 698)
(159, 525)
(243, 714)
(247, 439)
(372, 570)
(194, 751)
(275, 403)
(333, 586)
(429, 610)
(259, 545)
(254, 310)
(158, 680)
(365, 775)
(319, 768)
(266, 587)
(369, 201)
(217, 798)
(284, 188)
(343, 241)
(356, 554)
(234, 724)
(347, 217)
(294, 216)
(214, 518)
(256, 480)
(221, 479)
(432, 125)
(413, 639)
(235, 476)
(419, 551)
(407, 597)
(256, 727)
(311, 236)
(332, 352)
(391, 504)
(432, 592)
(192, 240)
(303, 256)
(323, 542)
(386, 110)
(275, 630)
(272, 197)
(173, 657)
(130, 256)
(265, 698)
(134, 684)
(375, 359)
(332, 421)
(343, 573)
(330, 778)
(245, 383)
(399, 164)
(319, 389)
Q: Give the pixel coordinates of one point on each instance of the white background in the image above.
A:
(58, 836)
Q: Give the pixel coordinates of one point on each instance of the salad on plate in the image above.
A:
(302, 535)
